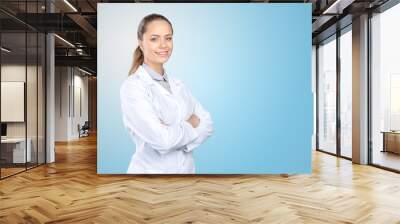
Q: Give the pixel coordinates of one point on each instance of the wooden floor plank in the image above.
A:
(70, 191)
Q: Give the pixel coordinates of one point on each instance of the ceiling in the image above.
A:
(76, 22)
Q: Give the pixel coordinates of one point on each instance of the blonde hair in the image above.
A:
(138, 57)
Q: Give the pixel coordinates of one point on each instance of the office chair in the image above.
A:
(84, 130)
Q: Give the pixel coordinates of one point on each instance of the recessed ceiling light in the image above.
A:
(337, 7)
(70, 5)
(64, 40)
(84, 71)
(5, 50)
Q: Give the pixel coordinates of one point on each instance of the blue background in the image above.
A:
(249, 65)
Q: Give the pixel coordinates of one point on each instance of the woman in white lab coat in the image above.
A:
(162, 117)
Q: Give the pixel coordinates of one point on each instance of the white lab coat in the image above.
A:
(157, 122)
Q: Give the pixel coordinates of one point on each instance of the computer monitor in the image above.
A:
(3, 129)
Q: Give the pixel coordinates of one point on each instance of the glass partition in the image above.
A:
(22, 78)
(13, 105)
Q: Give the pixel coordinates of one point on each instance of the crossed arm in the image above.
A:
(202, 122)
(140, 118)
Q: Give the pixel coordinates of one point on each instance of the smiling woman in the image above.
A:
(162, 117)
(157, 44)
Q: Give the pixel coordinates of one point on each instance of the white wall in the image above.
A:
(70, 84)
(80, 89)
(15, 72)
(10, 73)
(62, 81)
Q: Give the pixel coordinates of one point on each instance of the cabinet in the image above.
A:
(391, 141)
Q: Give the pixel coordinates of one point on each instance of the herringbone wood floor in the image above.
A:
(70, 191)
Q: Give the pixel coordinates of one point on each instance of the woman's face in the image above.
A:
(157, 42)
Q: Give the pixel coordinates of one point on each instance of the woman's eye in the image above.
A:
(169, 38)
(153, 39)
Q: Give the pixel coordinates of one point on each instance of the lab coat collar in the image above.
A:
(144, 76)
(155, 75)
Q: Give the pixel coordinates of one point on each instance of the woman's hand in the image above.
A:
(194, 120)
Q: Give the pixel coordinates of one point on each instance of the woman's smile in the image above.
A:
(162, 53)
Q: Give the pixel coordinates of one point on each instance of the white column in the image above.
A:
(50, 91)
(360, 90)
(50, 100)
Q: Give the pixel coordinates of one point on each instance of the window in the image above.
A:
(385, 88)
(346, 93)
(327, 95)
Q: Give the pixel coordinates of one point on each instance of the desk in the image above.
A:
(16, 147)
(391, 141)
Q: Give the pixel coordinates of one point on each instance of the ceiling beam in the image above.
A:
(337, 6)
(85, 61)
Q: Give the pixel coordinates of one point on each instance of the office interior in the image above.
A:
(44, 94)
(49, 92)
